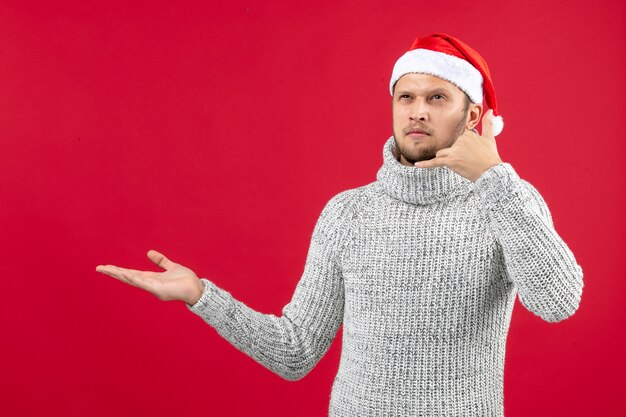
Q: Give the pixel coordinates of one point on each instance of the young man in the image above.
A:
(421, 266)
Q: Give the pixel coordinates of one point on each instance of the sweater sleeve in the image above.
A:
(290, 345)
(537, 260)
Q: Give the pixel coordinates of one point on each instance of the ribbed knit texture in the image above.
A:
(422, 267)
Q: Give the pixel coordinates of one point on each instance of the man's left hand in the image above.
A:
(471, 155)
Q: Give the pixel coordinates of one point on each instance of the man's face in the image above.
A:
(429, 114)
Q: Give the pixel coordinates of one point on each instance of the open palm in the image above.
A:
(175, 283)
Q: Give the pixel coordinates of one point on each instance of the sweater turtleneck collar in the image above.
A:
(418, 185)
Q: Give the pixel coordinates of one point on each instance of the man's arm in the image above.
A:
(289, 345)
(549, 280)
(537, 260)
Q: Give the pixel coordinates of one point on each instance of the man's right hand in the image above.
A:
(176, 283)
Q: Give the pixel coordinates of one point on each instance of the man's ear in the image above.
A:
(473, 115)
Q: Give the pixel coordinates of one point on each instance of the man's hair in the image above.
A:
(467, 102)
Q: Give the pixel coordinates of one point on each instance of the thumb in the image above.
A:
(160, 259)
(487, 124)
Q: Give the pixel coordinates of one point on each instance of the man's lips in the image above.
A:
(416, 132)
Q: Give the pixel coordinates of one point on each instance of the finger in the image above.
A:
(487, 125)
(466, 135)
(142, 279)
(471, 132)
(160, 259)
(461, 139)
(441, 153)
(107, 269)
(431, 163)
(114, 269)
(115, 272)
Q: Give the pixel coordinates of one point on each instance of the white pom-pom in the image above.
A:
(497, 124)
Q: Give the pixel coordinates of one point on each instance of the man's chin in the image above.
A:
(413, 157)
(415, 153)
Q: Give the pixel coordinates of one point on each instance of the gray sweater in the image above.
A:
(422, 267)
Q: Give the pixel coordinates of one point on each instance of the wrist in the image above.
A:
(485, 169)
(498, 185)
(196, 294)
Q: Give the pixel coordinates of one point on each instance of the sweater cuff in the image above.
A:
(213, 304)
(497, 184)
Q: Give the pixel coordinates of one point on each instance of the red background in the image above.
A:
(215, 132)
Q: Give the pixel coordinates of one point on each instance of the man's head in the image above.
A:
(437, 89)
(429, 114)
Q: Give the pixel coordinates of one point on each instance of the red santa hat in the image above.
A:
(449, 58)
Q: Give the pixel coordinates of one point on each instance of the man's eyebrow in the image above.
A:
(426, 91)
(439, 90)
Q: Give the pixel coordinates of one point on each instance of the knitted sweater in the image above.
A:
(422, 267)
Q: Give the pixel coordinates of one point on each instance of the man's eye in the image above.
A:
(437, 97)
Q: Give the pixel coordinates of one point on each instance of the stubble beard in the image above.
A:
(413, 155)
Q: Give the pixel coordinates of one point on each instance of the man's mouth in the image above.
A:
(417, 132)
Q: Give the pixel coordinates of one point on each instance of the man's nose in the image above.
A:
(418, 111)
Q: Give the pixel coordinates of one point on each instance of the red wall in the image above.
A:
(216, 132)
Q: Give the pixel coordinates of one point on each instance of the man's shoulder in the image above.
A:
(341, 210)
(353, 197)
(348, 202)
